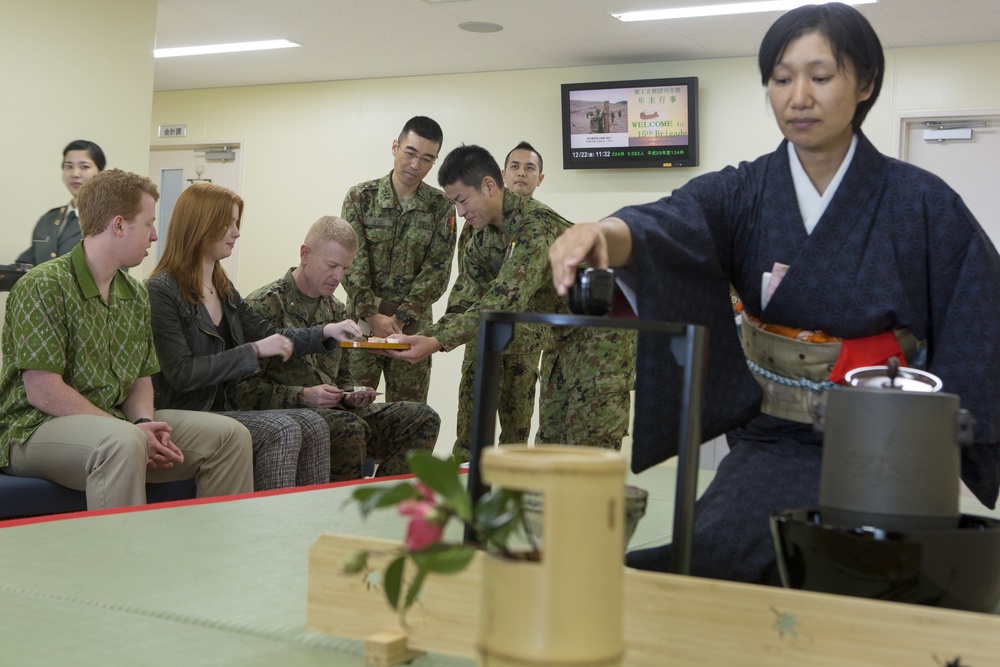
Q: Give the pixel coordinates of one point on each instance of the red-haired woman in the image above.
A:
(207, 339)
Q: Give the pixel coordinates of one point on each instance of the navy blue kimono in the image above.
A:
(895, 248)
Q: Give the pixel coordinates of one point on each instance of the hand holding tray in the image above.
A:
(366, 345)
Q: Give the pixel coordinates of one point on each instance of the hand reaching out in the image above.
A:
(604, 244)
(321, 396)
(582, 242)
(274, 345)
(360, 399)
(342, 331)
(420, 348)
(384, 326)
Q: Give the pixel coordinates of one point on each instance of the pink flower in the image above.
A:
(426, 524)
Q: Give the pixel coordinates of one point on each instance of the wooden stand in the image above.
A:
(669, 620)
(444, 620)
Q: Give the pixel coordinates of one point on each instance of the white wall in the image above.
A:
(305, 144)
(69, 70)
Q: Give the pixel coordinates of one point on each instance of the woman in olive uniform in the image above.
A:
(58, 231)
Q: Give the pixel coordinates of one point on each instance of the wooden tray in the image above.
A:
(365, 345)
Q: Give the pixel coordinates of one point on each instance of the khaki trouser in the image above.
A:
(107, 457)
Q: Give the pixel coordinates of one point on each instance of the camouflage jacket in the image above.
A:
(485, 248)
(405, 248)
(279, 383)
(518, 280)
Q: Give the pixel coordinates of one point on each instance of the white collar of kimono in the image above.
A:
(811, 203)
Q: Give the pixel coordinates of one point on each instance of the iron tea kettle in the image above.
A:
(891, 450)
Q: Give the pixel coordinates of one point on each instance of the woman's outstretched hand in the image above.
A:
(342, 331)
(601, 245)
(274, 345)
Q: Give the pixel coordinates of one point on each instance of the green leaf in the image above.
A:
(360, 495)
(444, 558)
(498, 515)
(497, 508)
(415, 586)
(441, 475)
(371, 499)
(393, 581)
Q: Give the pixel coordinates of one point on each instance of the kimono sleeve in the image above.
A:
(680, 261)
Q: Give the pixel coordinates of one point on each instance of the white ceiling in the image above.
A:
(364, 39)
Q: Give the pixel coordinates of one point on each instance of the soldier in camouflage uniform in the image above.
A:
(519, 362)
(359, 428)
(406, 232)
(522, 282)
(587, 372)
(479, 250)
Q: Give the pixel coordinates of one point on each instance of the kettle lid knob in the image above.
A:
(892, 371)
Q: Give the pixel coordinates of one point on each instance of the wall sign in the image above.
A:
(171, 131)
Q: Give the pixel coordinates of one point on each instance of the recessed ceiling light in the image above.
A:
(726, 9)
(223, 48)
(480, 26)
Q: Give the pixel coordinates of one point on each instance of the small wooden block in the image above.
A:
(385, 649)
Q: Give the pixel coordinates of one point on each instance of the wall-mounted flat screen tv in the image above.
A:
(630, 124)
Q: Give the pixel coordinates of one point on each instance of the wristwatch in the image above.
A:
(402, 315)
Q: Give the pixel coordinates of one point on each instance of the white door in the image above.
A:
(971, 168)
(174, 168)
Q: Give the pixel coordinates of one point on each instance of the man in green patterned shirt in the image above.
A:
(76, 398)
(406, 232)
(586, 402)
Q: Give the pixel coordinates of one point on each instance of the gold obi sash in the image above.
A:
(793, 374)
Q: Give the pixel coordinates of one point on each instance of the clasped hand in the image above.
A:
(163, 453)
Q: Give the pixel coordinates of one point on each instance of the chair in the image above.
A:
(32, 496)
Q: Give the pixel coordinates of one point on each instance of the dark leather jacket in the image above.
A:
(193, 364)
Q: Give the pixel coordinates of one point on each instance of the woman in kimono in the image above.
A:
(824, 240)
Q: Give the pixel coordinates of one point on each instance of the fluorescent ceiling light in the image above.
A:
(723, 10)
(223, 48)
